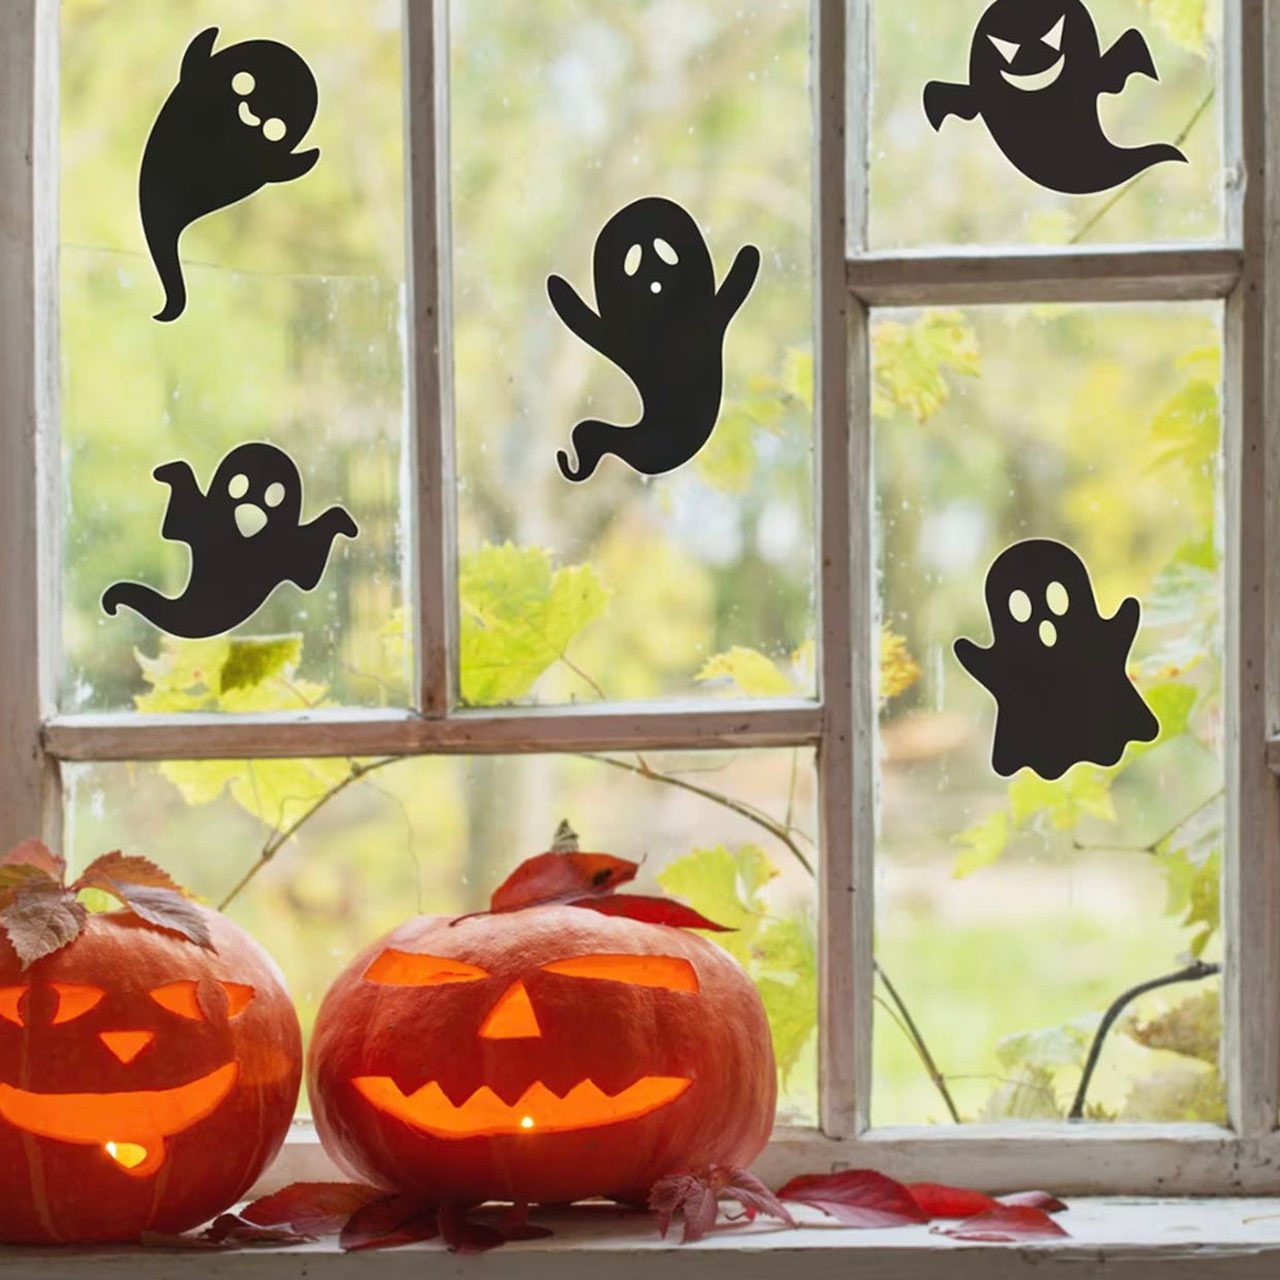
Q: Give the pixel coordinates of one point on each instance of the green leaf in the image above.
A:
(1084, 791)
(1193, 884)
(1192, 1028)
(785, 967)
(250, 662)
(728, 461)
(1048, 1047)
(519, 615)
(749, 671)
(910, 362)
(797, 375)
(725, 886)
(983, 843)
(1183, 21)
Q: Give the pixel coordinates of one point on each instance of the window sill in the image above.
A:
(1162, 1239)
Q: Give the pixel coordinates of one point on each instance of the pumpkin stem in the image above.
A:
(565, 839)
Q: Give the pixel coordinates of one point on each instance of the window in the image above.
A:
(739, 674)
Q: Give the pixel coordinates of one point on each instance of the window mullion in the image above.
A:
(1251, 888)
(30, 575)
(431, 452)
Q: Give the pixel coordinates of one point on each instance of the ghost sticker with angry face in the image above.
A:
(1057, 667)
(246, 538)
(1036, 71)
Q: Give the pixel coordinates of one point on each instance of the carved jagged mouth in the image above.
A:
(129, 1127)
(537, 1110)
(1037, 80)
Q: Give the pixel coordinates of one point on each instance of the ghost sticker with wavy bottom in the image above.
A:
(228, 128)
(1036, 71)
(246, 539)
(1057, 667)
(662, 321)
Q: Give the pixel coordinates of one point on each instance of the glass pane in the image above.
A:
(438, 835)
(292, 334)
(562, 115)
(1013, 911)
(955, 187)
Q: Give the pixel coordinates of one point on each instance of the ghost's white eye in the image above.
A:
(631, 263)
(1007, 50)
(274, 495)
(238, 487)
(1054, 38)
(274, 129)
(1020, 606)
(243, 83)
(1055, 596)
(665, 252)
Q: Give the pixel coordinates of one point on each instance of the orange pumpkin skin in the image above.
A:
(446, 1076)
(84, 1038)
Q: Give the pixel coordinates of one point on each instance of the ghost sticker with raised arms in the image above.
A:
(228, 128)
(1057, 668)
(246, 538)
(662, 321)
(1036, 70)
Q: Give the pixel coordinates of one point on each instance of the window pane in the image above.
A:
(1011, 912)
(292, 335)
(438, 835)
(561, 115)
(955, 187)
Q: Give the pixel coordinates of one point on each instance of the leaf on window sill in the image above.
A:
(1006, 1224)
(856, 1198)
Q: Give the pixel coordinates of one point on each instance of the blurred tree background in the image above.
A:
(1099, 426)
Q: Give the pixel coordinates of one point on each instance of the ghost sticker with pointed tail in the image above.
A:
(1036, 71)
(246, 537)
(1056, 668)
(662, 321)
(228, 128)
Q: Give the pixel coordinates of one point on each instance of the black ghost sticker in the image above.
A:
(1036, 70)
(662, 322)
(1056, 669)
(228, 128)
(246, 538)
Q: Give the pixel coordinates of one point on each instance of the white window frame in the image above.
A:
(841, 724)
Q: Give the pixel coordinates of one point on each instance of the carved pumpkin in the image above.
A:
(543, 1055)
(145, 1082)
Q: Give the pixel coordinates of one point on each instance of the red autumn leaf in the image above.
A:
(636, 906)
(856, 1198)
(1035, 1200)
(232, 1229)
(14, 875)
(116, 867)
(463, 1234)
(388, 1222)
(685, 1195)
(1005, 1224)
(35, 853)
(165, 909)
(41, 917)
(938, 1201)
(558, 877)
(312, 1208)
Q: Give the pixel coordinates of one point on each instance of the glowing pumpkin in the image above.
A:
(145, 1082)
(544, 1055)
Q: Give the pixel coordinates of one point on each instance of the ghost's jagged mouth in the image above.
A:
(129, 1127)
(537, 1110)
(1037, 80)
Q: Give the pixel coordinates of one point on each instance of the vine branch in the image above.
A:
(1192, 973)
(918, 1043)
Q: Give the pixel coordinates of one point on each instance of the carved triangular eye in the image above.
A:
(668, 972)
(181, 998)
(1007, 50)
(74, 1000)
(1054, 38)
(409, 969)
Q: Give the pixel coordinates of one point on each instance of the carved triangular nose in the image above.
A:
(512, 1018)
(126, 1045)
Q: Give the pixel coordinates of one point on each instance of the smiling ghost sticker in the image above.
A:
(228, 128)
(662, 321)
(1036, 70)
(1057, 667)
(246, 538)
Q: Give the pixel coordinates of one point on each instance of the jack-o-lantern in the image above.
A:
(543, 1055)
(145, 1081)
